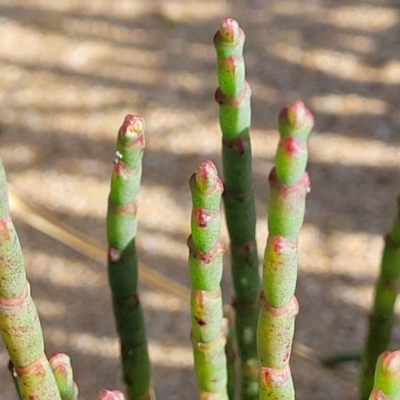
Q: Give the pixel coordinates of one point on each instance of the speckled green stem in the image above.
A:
(381, 317)
(122, 258)
(387, 377)
(205, 270)
(19, 321)
(289, 184)
(233, 97)
(61, 366)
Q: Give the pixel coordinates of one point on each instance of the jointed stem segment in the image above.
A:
(386, 385)
(122, 258)
(19, 321)
(233, 97)
(205, 268)
(61, 366)
(289, 184)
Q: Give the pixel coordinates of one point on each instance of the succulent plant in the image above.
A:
(257, 329)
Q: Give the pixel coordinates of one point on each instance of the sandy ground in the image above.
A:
(71, 70)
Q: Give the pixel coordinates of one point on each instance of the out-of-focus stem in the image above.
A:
(233, 97)
(122, 258)
(381, 317)
(227, 328)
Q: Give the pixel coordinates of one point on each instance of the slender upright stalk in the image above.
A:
(233, 97)
(381, 317)
(205, 270)
(386, 384)
(289, 184)
(122, 258)
(19, 321)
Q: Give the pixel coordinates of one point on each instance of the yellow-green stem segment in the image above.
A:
(289, 184)
(62, 369)
(386, 384)
(19, 321)
(205, 271)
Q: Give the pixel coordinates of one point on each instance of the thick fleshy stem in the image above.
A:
(19, 321)
(381, 317)
(387, 377)
(233, 97)
(205, 271)
(61, 366)
(122, 258)
(289, 184)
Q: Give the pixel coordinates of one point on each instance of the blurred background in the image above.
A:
(69, 73)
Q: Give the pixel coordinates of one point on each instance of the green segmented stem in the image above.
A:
(233, 97)
(381, 317)
(110, 395)
(289, 184)
(61, 366)
(387, 376)
(122, 258)
(205, 270)
(19, 321)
